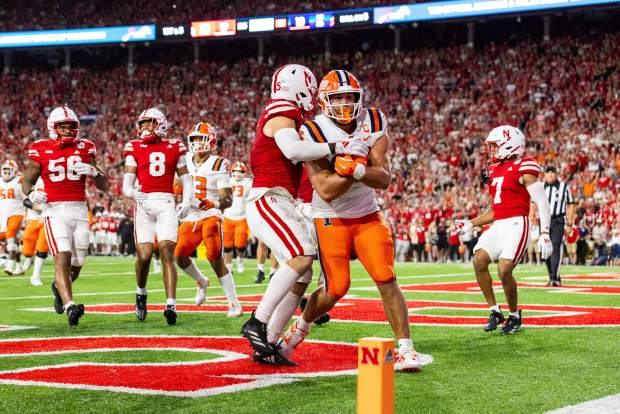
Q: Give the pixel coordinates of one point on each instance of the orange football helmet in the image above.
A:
(9, 170)
(202, 138)
(239, 170)
(340, 82)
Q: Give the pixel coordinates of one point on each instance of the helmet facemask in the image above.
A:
(8, 173)
(67, 132)
(200, 143)
(342, 112)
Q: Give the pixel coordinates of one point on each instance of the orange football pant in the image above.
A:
(192, 233)
(370, 238)
(12, 227)
(235, 234)
(34, 239)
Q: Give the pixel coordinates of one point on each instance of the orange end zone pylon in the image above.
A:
(375, 378)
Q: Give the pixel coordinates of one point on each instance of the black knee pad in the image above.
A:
(228, 249)
(41, 255)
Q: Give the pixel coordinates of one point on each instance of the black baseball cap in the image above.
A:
(551, 168)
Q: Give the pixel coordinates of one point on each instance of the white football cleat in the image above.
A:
(234, 311)
(407, 361)
(35, 281)
(201, 294)
(240, 267)
(156, 266)
(291, 340)
(9, 268)
(19, 270)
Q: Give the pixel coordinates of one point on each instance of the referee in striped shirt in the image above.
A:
(562, 207)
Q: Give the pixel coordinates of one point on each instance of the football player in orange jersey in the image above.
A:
(346, 213)
(11, 214)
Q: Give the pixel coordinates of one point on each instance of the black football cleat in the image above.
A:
(74, 313)
(323, 319)
(260, 277)
(255, 331)
(273, 359)
(170, 314)
(57, 300)
(495, 319)
(141, 307)
(513, 325)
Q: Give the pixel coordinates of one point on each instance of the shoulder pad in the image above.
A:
(314, 131)
(376, 120)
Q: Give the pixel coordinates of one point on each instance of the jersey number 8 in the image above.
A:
(157, 164)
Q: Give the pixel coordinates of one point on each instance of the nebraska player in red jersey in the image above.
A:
(513, 183)
(275, 160)
(64, 162)
(154, 161)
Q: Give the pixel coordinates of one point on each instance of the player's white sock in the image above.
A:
(283, 313)
(515, 314)
(141, 291)
(261, 267)
(228, 284)
(303, 324)
(405, 345)
(195, 273)
(495, 308)
(68, 304)
(283, 280)
(27, 263)
(38, 266)
(229, 267)
(171, 301)
(272, 272)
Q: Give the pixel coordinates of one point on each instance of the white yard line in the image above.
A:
(607, 405)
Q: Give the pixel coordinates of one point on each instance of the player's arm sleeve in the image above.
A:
(293, 148)
(188, 188)
(129, 181)
(537, 193)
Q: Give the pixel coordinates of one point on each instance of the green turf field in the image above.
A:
(541, 368)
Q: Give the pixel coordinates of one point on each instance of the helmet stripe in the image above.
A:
(340, 78)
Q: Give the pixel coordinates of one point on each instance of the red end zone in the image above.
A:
(233, 371)
(371, 311)
(472, 287)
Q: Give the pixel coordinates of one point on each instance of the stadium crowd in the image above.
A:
(441, 103)
(64, 14)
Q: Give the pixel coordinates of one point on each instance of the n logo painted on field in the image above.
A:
(232, 371)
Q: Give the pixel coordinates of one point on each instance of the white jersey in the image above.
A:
(359, 200)
(240, 191)
(208, 178)
(30, 213)
(11, 198)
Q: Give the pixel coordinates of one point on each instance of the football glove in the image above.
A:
(138, 195)
(37, 197)
(82, 168)
(544, 246)
(182, 210)
(355, 148)
(463, 226)
(349, 166)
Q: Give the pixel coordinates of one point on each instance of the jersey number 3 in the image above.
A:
(497, 182)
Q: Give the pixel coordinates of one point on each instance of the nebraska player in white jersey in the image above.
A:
(64, 162)
(212, 193)
(154, 161)
(12, 212)
(513, 184)
(271, 214)
(235, 225)
(346, 213)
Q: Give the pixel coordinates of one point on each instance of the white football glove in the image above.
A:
(463, 226)
(82, 168)
(544, 246)
(138, 195)
(353, 147)
(182, 210)
(37, 197)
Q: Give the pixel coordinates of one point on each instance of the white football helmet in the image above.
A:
(161, 123)
(63, 114)
(9, 170)
(239, 170)
(295, 83)
(202, 138)
(505, 141)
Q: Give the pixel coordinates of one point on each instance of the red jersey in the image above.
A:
(305, 187)
(269, 166)
(60, 181)
(510, 197)
(156, 163)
